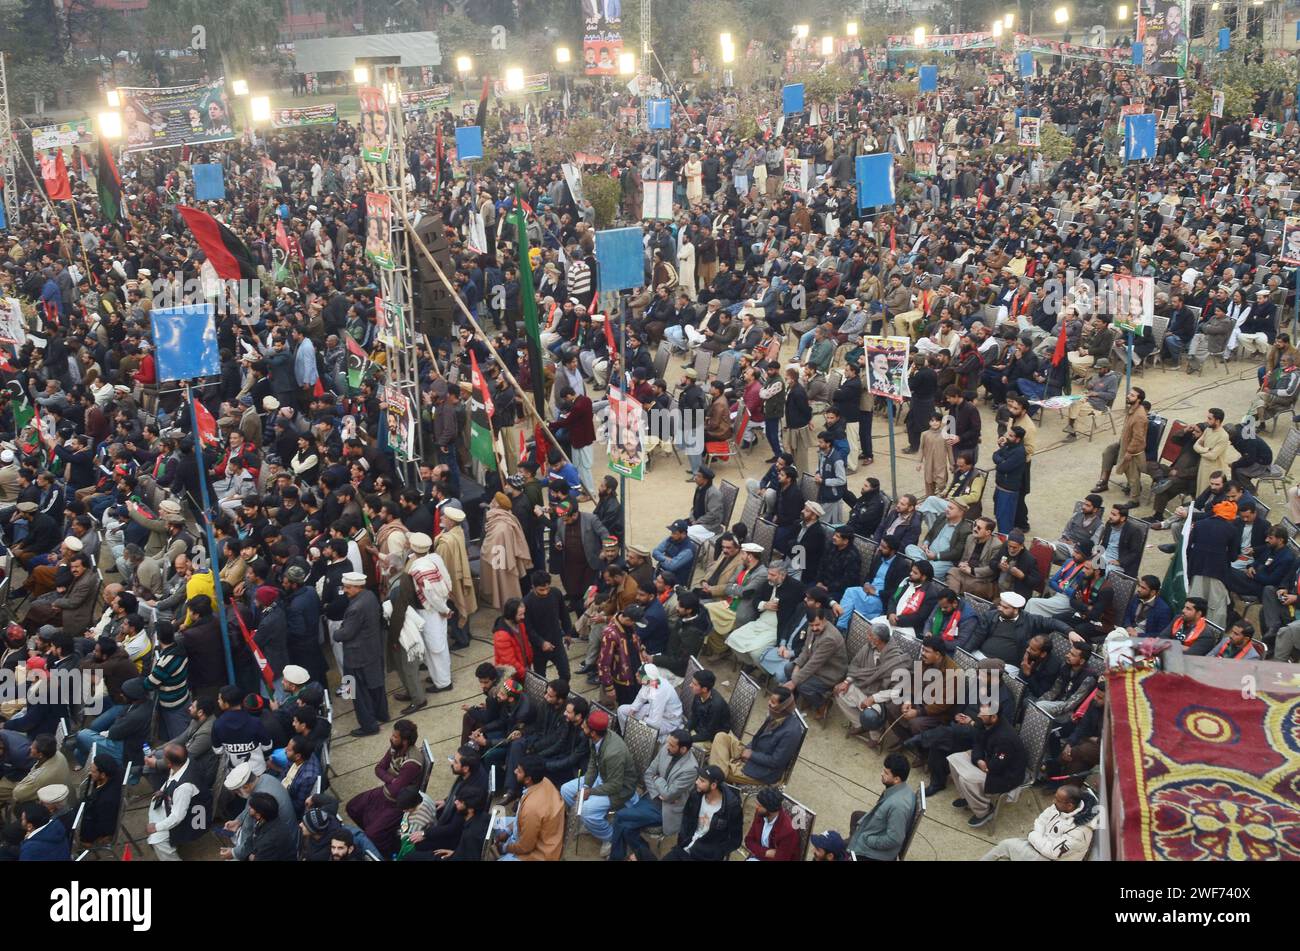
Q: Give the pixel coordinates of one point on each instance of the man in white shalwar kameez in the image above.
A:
(656, 704)
(432, 588)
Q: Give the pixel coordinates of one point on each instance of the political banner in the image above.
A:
(1140, 137)
(1116, 56)
(1225, 37)
(887, 365)
(1163, 29)
(573, 178)
(602, 37)
(469, 142)
(1135, 303)
(1291, 242)
(1025, 64)
(185, 342)
(423, 100)
(538, 82)
(209, 183)
(1216, 103)
(792, 98)
(940, 43)
(298, 117)
(797, 172)
(875, 179)
(1029, 131)
(628, 117)
(518, 138)
(379, 225)
(376, 134)
(928, 79)
(175, 115)
(401, 422)
(63, 136)
(926, 158)
(657, 200)
(620, 256)
(13, 329)
(626, 429)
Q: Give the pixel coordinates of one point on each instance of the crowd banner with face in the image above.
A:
(175, 115)
(376, 136)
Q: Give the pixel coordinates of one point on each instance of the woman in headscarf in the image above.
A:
(505, 554)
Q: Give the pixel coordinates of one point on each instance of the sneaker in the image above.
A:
(976, 821)
(959, 803)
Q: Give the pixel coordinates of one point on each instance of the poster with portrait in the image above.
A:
(1135, 303)
(376, 136)
(1216, 103)
(1030, 131)
(1291, 241)
(887, 365)
(602, 37)
(520, 140)
(175, 115)
(796, 171)
(379, 225)
(657, 200)
(1162, 29)
(927, 158)
(401, 422)
(296, 117)
(626, 436)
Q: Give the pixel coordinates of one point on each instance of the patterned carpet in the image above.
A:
(1204, 772)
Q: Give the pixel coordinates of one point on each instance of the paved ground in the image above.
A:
(835, 775)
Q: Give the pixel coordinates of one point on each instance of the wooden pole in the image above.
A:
(524, 396)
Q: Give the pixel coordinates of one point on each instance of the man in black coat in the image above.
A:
(717, 838)
(1121, 542)
(995, 764)
(449, 823)
(841, 565)
(710, 713)
(866, 509)
(550, 629)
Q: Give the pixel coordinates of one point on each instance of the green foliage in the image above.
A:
(826, 84)
(604, 194)
(1055, 145)
(581, 135)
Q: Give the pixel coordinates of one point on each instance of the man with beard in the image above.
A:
(448, 824)
(376, 810)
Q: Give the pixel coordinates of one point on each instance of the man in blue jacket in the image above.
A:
(767, 756)
(45, 840)
(1147, 613)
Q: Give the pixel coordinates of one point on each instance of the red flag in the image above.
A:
(281, 236)
(893, 243)
(609, 337)
(318, 389)
(1206, 128)
(539, 446)
(229, 255)
(480, 119)
(207, 425)
(1059, 353)
(1202, 201)
(267, 674)
(55, 174)
(523, 446)
(437, 166)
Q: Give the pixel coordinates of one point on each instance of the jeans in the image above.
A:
(641, 812)
(805, 341)
(1174, 346)
(1004, 509)
(504, 824)
(88, 738)
(594, 809)
(872, 718)
(772, 429)
(175, 721)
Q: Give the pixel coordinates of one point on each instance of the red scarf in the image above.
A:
(1196, 631)
(1227, 643)
(913, 600)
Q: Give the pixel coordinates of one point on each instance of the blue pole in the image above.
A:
(1295, 318)
(1128, 365)
(212, 539)
(893, 459)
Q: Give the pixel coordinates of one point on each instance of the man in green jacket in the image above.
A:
(878, 835)
(609, 783)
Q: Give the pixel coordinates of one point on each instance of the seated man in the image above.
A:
(884, 576)
(772, 836)
(1073, 681)
(869, 681)
(675, 553)
(764, 760)
(1188, 628)
(965, 488)
(910, 719)
(656, 704)
(878, 835)
(738, 604)
(1075, 749)
(944, 542)
(1062, 832)
(1005, 632)
(995, 764)
(375, 810)
(1063, 582)
(1090, 604)
(710, 712)
(668, 781)
(1147, 613)
(914, 600)
(815, 671)
(609, 783)
(448, 824)
(778, 605)
(711, 826)
(536, 832)
(1102, 390)
(1238, 644)
(977, 567)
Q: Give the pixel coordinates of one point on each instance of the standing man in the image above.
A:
(1215, 449)
(1010, 462)
(362, 636)
(1131, 450)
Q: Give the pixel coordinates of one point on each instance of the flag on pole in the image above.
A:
(358, 361)
(1059, 353)
(281, 236)
(480, 118)
(108, 183)
(528, 301)
(206, 424)
(437, 162)
(22, 416)
(480, 418)
(262, 664)
(55, 175)
(229, 255)
(1174, 588)
(1206, 128)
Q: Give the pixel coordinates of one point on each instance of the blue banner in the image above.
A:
(1139, 54)
(3, 222)
(929, 78)
(659, 114)
(875, 178)
(1225, 38)
(1139, 137)
(620, 256)
(209, 183)
(469, 143)
(185, 341)
(1025, 62)
(792, 98)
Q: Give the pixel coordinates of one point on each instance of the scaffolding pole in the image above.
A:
(8, 149)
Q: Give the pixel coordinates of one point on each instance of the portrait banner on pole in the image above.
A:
(887, 366)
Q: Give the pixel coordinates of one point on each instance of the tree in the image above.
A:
(226, 31)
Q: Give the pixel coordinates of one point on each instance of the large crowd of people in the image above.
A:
(336, 562)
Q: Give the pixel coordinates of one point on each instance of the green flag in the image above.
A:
(528, 301)
(480, 418)
(22, 416)
(1174, 588)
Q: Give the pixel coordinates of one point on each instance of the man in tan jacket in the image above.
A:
(8, 477)
(536, 833)
(1131, 449)
(49, 767)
